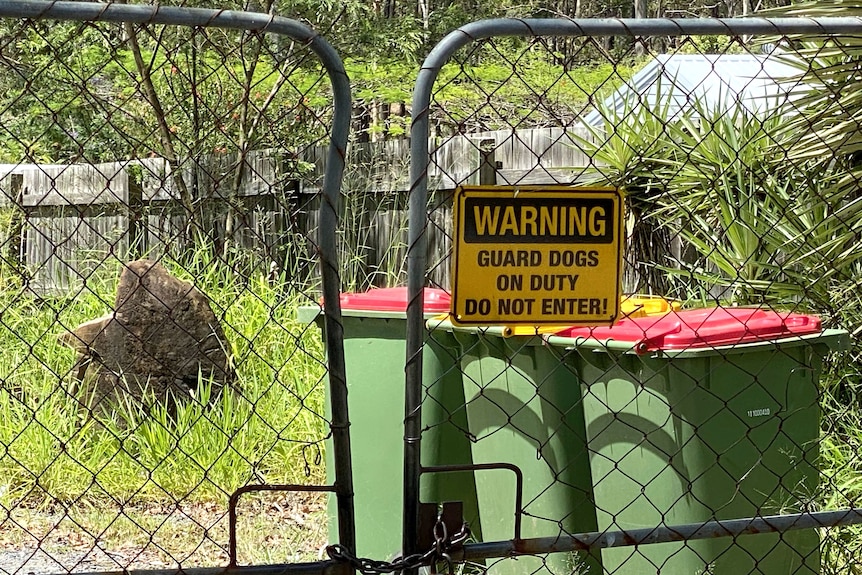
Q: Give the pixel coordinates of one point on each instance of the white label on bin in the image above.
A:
(762, 412)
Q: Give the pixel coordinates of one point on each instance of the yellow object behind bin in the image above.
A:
(643, 305)
(630, 306)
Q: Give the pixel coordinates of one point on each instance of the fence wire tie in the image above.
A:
(443, 544)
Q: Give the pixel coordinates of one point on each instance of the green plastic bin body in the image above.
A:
(375, 352)
(689, 435)
(524, 408)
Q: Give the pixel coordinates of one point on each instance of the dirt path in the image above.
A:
(272, 530)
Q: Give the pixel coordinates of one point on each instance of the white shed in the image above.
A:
(719, 81)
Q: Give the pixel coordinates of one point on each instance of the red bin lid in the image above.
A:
(700, 328)
(394, 299)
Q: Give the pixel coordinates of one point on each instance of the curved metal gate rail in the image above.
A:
(466, 37)
(329, 265)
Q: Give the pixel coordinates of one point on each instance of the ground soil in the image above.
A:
(276, 529)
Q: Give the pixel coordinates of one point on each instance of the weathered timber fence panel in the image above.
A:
(80, 217)
(72, 219)
(538, 156)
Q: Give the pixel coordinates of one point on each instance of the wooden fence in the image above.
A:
(68, 222)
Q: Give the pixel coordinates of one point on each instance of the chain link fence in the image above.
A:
(713, 428)
(169, 192)
(174, 396)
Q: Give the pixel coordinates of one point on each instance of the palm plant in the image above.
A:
(630, 150)
(824, 126)
(822, 133)
(726, 200)
(756, 220)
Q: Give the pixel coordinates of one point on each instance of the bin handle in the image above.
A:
(652, 342)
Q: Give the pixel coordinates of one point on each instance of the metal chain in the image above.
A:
(439, 552)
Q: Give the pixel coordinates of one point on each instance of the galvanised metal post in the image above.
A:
(199, 17)
(419, 161)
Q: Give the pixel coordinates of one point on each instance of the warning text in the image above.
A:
(539, 220)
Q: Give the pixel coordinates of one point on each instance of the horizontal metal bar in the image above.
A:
(533, 27)
(319, 568)
(279, 487)
(477, 551)
(661, 534)
(154, 14)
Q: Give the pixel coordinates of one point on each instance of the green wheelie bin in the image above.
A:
(524, 409)
(375, 351)
(701, 415)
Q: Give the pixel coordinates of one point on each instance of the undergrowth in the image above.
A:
(269, 428)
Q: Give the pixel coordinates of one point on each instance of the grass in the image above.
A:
(154, 488)
(270, 429)
(841, 487)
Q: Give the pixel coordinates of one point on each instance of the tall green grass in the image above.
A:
(841, 487)
(269, 428)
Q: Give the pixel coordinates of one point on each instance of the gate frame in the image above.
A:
(326, 243)
(416, 270)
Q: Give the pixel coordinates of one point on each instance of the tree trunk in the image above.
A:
(424, 7)
(165, 134)
(641, 10)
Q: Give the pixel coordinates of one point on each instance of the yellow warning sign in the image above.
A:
(537, 255)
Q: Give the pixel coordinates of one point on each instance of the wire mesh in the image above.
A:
(639, 443)
(169, 191)
(162, 193)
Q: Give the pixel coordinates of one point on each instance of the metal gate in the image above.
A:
(671, 443)
(693, 442)
(171, 185)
